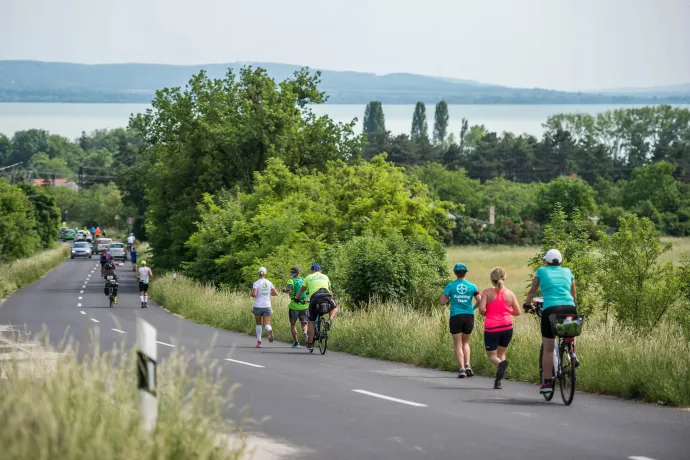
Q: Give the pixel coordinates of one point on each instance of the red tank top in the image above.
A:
(498, 317)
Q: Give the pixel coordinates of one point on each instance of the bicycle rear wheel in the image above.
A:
(547, 396)
(567, 378)
(323, 340)
(111, 302)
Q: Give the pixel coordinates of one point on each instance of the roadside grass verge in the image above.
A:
(615, 361)
(88, 409)
(25, 271)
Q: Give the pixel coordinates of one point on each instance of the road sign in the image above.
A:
(130, 221)
(117, 217)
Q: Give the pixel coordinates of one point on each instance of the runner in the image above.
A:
(297, 309)
(144, 275)
(133, 258)
(262, 290)
(461, 321)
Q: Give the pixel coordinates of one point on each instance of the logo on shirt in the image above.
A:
(461, 289)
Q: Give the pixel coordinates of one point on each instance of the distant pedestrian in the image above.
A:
(499, 305)
(262, 291)
(461, 323)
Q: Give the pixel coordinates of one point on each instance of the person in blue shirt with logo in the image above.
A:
(460, 293)
(557, 286)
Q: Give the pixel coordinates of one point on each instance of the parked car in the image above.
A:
(117, 250)
(68, 235)
(101, 245)
(81, 249)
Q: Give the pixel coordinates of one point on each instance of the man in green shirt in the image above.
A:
(319, 287)
(297, 309)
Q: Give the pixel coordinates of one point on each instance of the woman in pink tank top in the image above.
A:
(498, 305)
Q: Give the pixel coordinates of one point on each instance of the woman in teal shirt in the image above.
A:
(461, 323)
(558, 289)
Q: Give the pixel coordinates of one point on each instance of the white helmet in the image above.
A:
(262, 271)
(553, 256)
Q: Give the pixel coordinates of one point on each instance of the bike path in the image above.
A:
(344, 406)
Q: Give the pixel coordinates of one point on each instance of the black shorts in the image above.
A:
(546, 330)
(493, 340)
(295, 315)
(461, 324)
(317, 299)
(143, 286)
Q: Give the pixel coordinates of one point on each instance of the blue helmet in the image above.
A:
(315, 267)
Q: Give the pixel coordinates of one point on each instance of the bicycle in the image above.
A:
(324, 308)
(563, 363)
(110, 286)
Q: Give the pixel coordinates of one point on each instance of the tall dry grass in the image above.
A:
(25, 271)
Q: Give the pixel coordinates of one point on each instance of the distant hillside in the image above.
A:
(671, 90)
(35, 81)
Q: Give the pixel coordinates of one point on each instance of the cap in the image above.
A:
(295, 269)
(143, 262)
(553, 255)
(460, 267)
(262, 270)
(315, 267)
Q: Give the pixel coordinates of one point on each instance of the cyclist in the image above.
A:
(297, 309)
(557, 286)
(133, 258)
(319, 287)
(103, 261)
(461, 322)
(262, 291)
(498, 305)
(109, 270)
(130, 241)
(144, 275)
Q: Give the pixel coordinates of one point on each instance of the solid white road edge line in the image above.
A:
(640, 458)
(388, 398)
(118, 330)
(95, 320)
(242, 362)
(166, 344)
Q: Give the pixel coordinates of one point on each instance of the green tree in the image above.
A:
(5, 152)
(571, 193)
(26, 144)
(17, 224)
(46, 215)
(374, 119)
(441, 122)
(420, 128)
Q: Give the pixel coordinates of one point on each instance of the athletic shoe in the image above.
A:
(310, 347)
(461, 374)
(546, 387)
(258, 344)
(327, 325)
(115, 300)
(295, 345)
(142, 305)
(270, 337)
(469, 371)
(497, 385)
(502, 366)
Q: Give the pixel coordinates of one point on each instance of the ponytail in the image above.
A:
(500, 284)
(498, 276)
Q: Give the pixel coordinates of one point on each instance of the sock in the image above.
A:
(142, 298)
(268, 328)
(258, 333)
(146, 298)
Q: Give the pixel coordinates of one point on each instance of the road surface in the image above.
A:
(339, 406)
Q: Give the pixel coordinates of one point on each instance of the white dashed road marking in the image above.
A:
(81, 292)
(82, 312)
(78, 305)
(242, 362)
(95, 320)
(388, 398)
(79, 298)
(166, 344)
(118, 330)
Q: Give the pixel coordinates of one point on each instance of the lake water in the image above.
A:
(70, 120)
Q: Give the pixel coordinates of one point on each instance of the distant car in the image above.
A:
(89, 237)
(68, 235)
(101, 245)
(117, 250)
(81, 249)
(80, 236)
(62, 232)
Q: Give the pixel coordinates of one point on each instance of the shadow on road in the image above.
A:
(510, 401)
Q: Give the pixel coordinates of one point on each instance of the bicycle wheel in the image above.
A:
(111, 301)
(317, 333)
(323, 340)
(567, 378)
(547, 396)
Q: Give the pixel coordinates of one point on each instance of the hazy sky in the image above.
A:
(560, 44)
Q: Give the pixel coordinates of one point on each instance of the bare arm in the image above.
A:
(444, 299)
(301, 291)
(573, 291)
(532, 291)
(274, 292)
(255, 292)
(515, 305)
(482, 304)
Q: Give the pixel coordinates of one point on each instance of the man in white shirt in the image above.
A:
(130, 241)
(262, 291)
(144, 275)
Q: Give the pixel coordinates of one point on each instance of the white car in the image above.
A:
(118, 251)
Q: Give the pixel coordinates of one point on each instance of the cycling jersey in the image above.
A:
(295, 285)
(317, 281)
(555, 282)
(460, 293)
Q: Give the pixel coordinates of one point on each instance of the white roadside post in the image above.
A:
(147, 356)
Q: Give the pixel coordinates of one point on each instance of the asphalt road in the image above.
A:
(339, 406)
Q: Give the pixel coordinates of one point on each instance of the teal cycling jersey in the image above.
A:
(460, 293)
(555, 283)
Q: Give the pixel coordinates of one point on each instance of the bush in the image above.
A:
(410, 270)
(18, 236)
